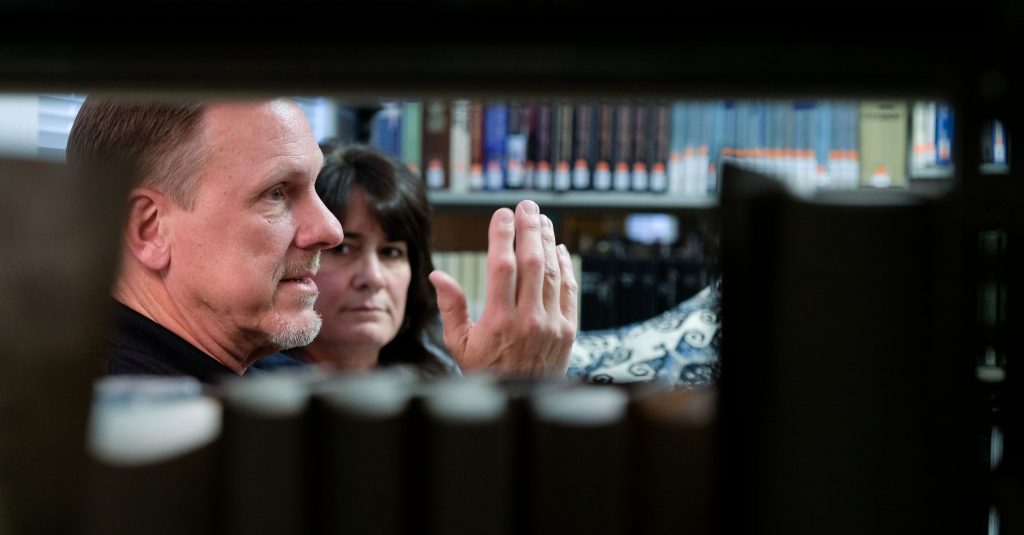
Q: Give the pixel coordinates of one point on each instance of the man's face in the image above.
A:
(243, 258)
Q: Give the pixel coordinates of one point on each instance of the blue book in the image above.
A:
(495, 139)
(943, 135)
(386, 129)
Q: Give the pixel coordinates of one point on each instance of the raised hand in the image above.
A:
(529, 320)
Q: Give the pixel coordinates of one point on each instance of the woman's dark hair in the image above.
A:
(397, 199)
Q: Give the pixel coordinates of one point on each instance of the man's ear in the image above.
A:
(145, 230)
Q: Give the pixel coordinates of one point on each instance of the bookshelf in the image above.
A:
(783, 49)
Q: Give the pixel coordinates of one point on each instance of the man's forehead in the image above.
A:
(267, 137)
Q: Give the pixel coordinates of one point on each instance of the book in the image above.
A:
(643, 147)
(411, 145)
(268, 410)
(597, 282)
(153, 444)
(584, 145)
(605, 155)
(468, 457)
(436, 144)
(660, 132)
(541, 143)
(562, 145)
(791, 264)
(459, 146)
(386, 129)
(495, 137)
(883, 143)
(363, 453)
(477, 153)
(56, 311)
(622, 150)
(566, 491)
(516, 144)
(672, 473)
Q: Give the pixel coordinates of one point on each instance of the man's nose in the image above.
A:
(318, 229)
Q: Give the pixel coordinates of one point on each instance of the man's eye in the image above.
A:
(277, 193)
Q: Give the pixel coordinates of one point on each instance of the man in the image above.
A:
(223, 233)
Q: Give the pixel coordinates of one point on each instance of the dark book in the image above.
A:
(468, 455)
(622, 149)
(363, 424)
(267, 473)
(516, 144)
(604, 149)
(540, 141)
(436, 143)
(584, 145)
(660, 136)
(477, 155)
(598, 304)
(62, 232)
(562, 145)
(672, 459)
(643, 146)
(577, 461)
(848, 416)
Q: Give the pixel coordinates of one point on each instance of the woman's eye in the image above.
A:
(393, 252)
(340, 250)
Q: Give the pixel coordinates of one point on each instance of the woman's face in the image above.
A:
(363, 284)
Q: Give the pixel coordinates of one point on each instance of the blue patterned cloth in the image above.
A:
(678, 347)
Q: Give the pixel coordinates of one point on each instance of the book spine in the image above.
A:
(602, 179)
(623, 146)
(516, 145)
(642, 147)
(476, 145)
(436, 141)
(495, 138)
(584, 146)
(412, 135)
(661, 131)
(562, 143)
(543, 177)
(883, 143)
(460, 149)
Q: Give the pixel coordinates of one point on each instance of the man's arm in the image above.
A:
(529, 319)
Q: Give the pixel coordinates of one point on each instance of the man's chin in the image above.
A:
(298, 330)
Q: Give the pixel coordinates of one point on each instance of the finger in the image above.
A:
(501, 261)
(451, 302)
(552, 272)
(529, 257)
(570, 288)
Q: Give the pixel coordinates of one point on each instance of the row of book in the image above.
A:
(673, 147)
(392, 451)
(617, 290)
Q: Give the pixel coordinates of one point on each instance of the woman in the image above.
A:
(377, 304)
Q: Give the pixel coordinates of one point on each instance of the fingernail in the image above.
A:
(530, 207)
(563, 249)
(547, 221)
(505, 217)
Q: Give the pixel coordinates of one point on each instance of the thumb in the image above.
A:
(451, 302)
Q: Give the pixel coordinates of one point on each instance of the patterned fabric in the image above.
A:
(678, 347)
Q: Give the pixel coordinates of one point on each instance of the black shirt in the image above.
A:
(138, 345)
